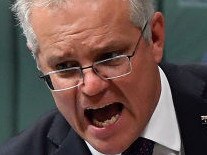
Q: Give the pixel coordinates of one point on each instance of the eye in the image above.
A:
(66, 65)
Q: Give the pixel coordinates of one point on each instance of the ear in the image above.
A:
(158, 36)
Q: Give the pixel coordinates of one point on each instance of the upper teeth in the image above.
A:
(94, 108)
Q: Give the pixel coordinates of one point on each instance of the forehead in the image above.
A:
(75, 23)
(80, 14)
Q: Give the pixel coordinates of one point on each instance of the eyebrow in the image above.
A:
(113, 45)
(111, 48)
(53, 59)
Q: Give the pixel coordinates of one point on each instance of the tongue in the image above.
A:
(106, 113)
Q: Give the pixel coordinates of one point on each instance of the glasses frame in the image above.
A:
(47, 75)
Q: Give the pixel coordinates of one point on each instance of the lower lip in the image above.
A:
(107, 131)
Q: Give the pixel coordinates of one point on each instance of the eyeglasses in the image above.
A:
(107, 69)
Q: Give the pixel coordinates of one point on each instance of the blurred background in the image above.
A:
(24, 98)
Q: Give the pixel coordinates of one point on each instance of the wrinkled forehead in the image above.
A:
(81, 15)
(99, 9)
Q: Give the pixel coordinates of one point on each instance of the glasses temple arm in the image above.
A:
(140, 37)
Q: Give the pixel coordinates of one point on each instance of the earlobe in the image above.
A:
(158, 36)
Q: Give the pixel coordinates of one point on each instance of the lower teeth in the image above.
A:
(106, 122)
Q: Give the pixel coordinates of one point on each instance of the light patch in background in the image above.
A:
(204, 59)
(193, 3)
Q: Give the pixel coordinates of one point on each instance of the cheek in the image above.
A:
(66, 104)
(142, 89)
(141, 86)
(145, 80)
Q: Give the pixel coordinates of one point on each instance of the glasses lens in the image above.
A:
(113, 68)
(64, 79)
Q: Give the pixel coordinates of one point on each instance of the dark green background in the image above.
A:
(24, 98)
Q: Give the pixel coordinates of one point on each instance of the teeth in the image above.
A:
(106, 122)
(95, 108)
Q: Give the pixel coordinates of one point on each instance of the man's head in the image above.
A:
(109, 114)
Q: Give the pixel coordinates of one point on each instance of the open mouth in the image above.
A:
(104, 116)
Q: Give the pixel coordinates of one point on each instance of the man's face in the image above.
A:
(83, 32)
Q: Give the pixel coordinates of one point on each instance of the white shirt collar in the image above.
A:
(95, 152)
(163, 126)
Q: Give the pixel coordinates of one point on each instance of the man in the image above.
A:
(100, 60)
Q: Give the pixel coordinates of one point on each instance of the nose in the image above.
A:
(93, 84)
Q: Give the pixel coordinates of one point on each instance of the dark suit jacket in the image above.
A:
(52, 135)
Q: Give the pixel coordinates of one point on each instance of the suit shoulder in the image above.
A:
(32, 140)
(198, 70)
(189, 80)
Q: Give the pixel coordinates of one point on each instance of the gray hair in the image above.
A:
(141, 11)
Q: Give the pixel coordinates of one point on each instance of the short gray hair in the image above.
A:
(141, 11)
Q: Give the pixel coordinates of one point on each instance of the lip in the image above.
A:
(107, 131)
